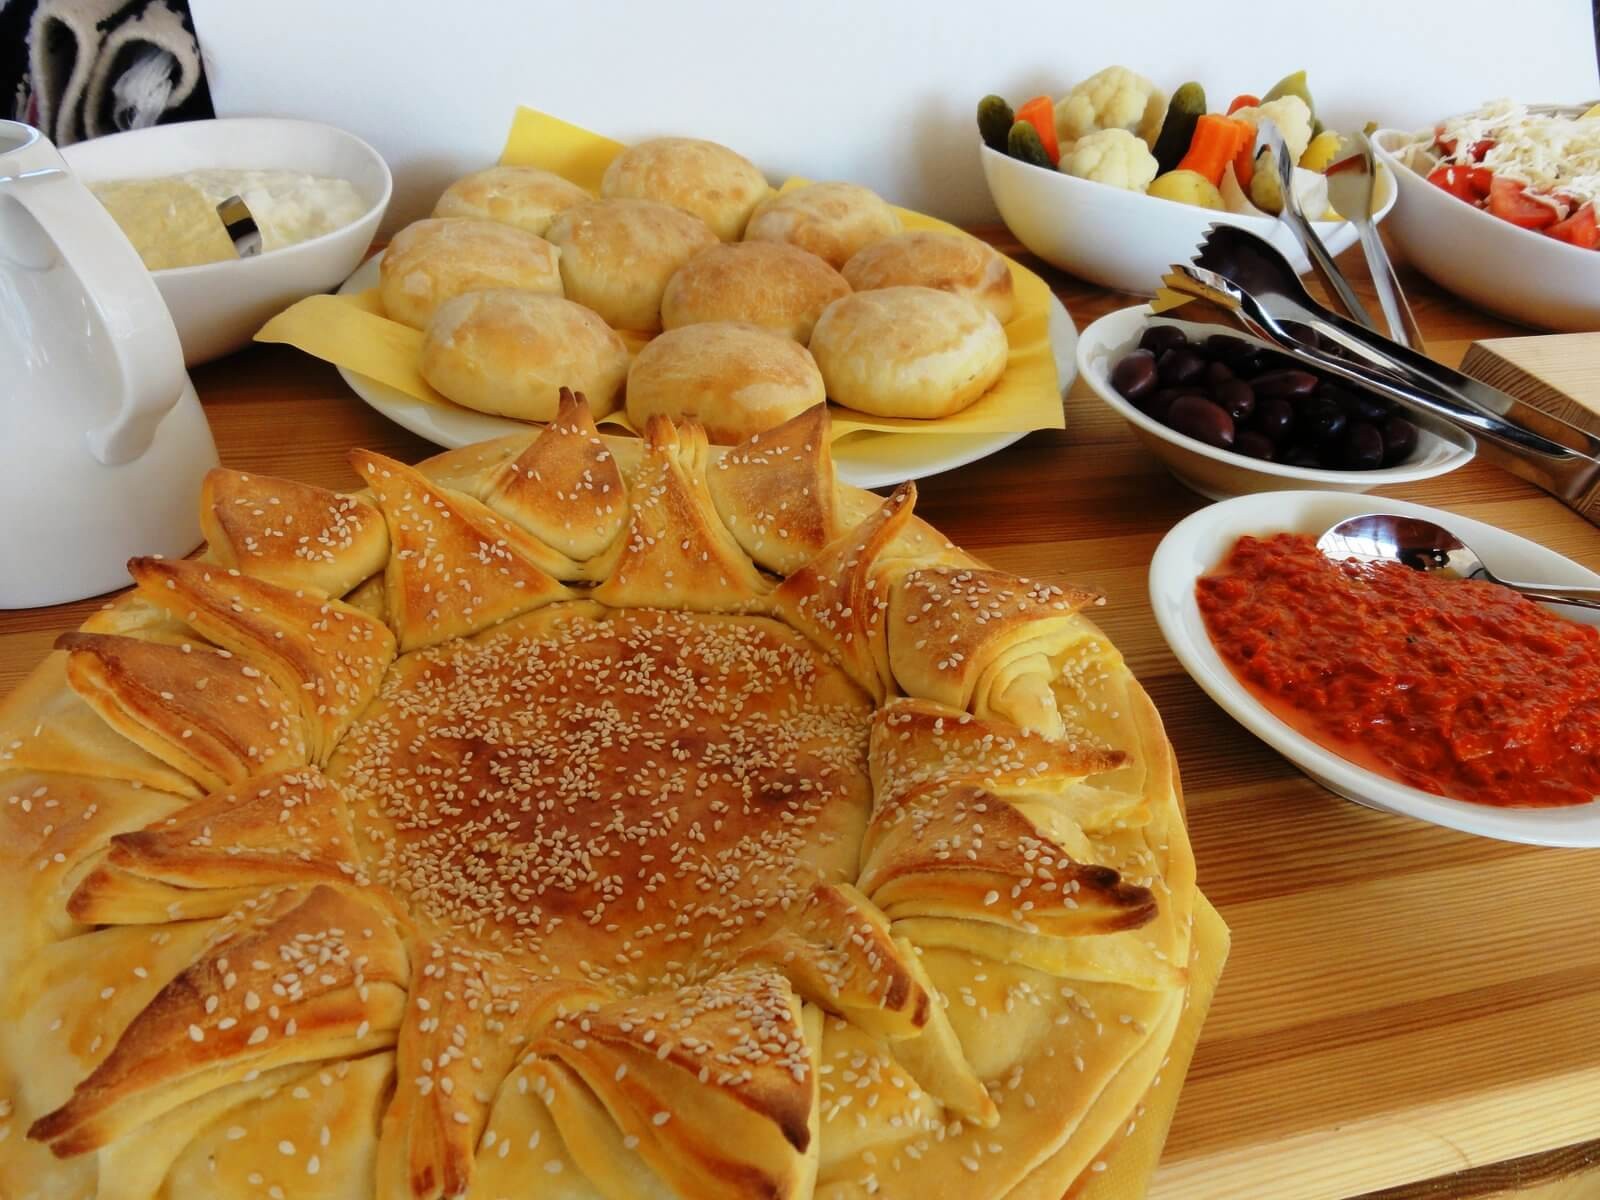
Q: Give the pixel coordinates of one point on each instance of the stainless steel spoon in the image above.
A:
(1350, 182)
(1424, 546)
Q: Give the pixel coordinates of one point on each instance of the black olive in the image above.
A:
(1289, 382)
(1238, 398)
(1273, 418)
(1253, 444)
(1361, 447)
(1135, 374)
(1399, 440)
(1158, 339)
(1194, 416)
(1181, 365)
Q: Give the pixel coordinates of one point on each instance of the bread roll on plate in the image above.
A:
(832, 220)
(526, 197)
(772, 284)
(712, 182)
(511, 352)
(908, 352)
(735, 378)
(617, 255)
(951, 262)
(436, 260)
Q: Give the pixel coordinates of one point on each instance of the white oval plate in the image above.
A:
(1198, 543)
(867, 460)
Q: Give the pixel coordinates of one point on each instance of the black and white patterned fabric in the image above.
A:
(83, 68)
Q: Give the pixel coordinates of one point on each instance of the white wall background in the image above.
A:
(881, 92)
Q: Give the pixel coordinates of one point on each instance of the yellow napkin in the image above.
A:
(1131, 1166)
(352, 332)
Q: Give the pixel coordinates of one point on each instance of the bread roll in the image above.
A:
(777, 286)
(526, 197)
(832, 220)
(712, 182)
(951, 262)
(735, 378)
(908, 352)
(617, 255)
(511, 352)
(435, 260)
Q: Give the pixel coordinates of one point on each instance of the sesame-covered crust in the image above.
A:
(584, 817)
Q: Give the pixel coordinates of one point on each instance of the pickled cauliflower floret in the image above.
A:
(1115, 98)
(1290, 114)
(1111, 156)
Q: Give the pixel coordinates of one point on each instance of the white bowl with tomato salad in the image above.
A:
(1504, 634)
(1501, 210)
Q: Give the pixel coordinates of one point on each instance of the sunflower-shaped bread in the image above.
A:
(582, 817)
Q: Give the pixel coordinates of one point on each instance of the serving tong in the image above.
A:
(1242, 281)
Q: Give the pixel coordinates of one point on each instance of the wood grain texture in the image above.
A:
(1403, 1002)
(1555, 373)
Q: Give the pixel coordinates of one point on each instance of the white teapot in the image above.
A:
(102, 440)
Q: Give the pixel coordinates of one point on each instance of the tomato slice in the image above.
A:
(1508, 201)
(1447, 147)
(1465, 183)
(1580, 228)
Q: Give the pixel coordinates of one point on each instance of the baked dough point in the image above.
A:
(624, 797)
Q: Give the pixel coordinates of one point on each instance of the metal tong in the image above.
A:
(1257, 290)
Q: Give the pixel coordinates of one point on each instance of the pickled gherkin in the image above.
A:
(1185, 109)
(1023, 142)
(995, 119)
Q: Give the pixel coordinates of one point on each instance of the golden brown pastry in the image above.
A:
(831, 220)
(565, 488)
(597, 893)
(617, 256)
(291, 533)
(512, 352)
(456, 566)
(326, 656)
(950, 262)
(432, 261)
(676, 552)
(734, 378)
(772, 284)
(840, 598)
(774, 492)
(1001, 642)
(908, 352)
(712, 182)
(203, 712)
(527, 197)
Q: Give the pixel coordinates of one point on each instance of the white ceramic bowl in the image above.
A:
(1194, 547)
(1517, 273)
(219, 306)
(1219, 474)
(1127, 240)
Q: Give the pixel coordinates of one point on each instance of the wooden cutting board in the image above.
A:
(1557, 373)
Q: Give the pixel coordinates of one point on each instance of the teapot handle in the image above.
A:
(131, 310)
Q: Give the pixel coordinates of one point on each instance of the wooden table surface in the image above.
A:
(1408, 1012)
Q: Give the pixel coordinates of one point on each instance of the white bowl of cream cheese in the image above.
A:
(316, 192)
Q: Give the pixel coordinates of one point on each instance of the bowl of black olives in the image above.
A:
(1229, 415)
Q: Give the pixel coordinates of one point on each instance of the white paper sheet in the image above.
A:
(868, 90)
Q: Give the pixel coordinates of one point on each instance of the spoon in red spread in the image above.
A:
(1423, 546)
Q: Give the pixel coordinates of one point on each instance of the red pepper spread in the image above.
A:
(1464, 689)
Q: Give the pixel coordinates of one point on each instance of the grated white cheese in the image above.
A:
(1557, 158)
